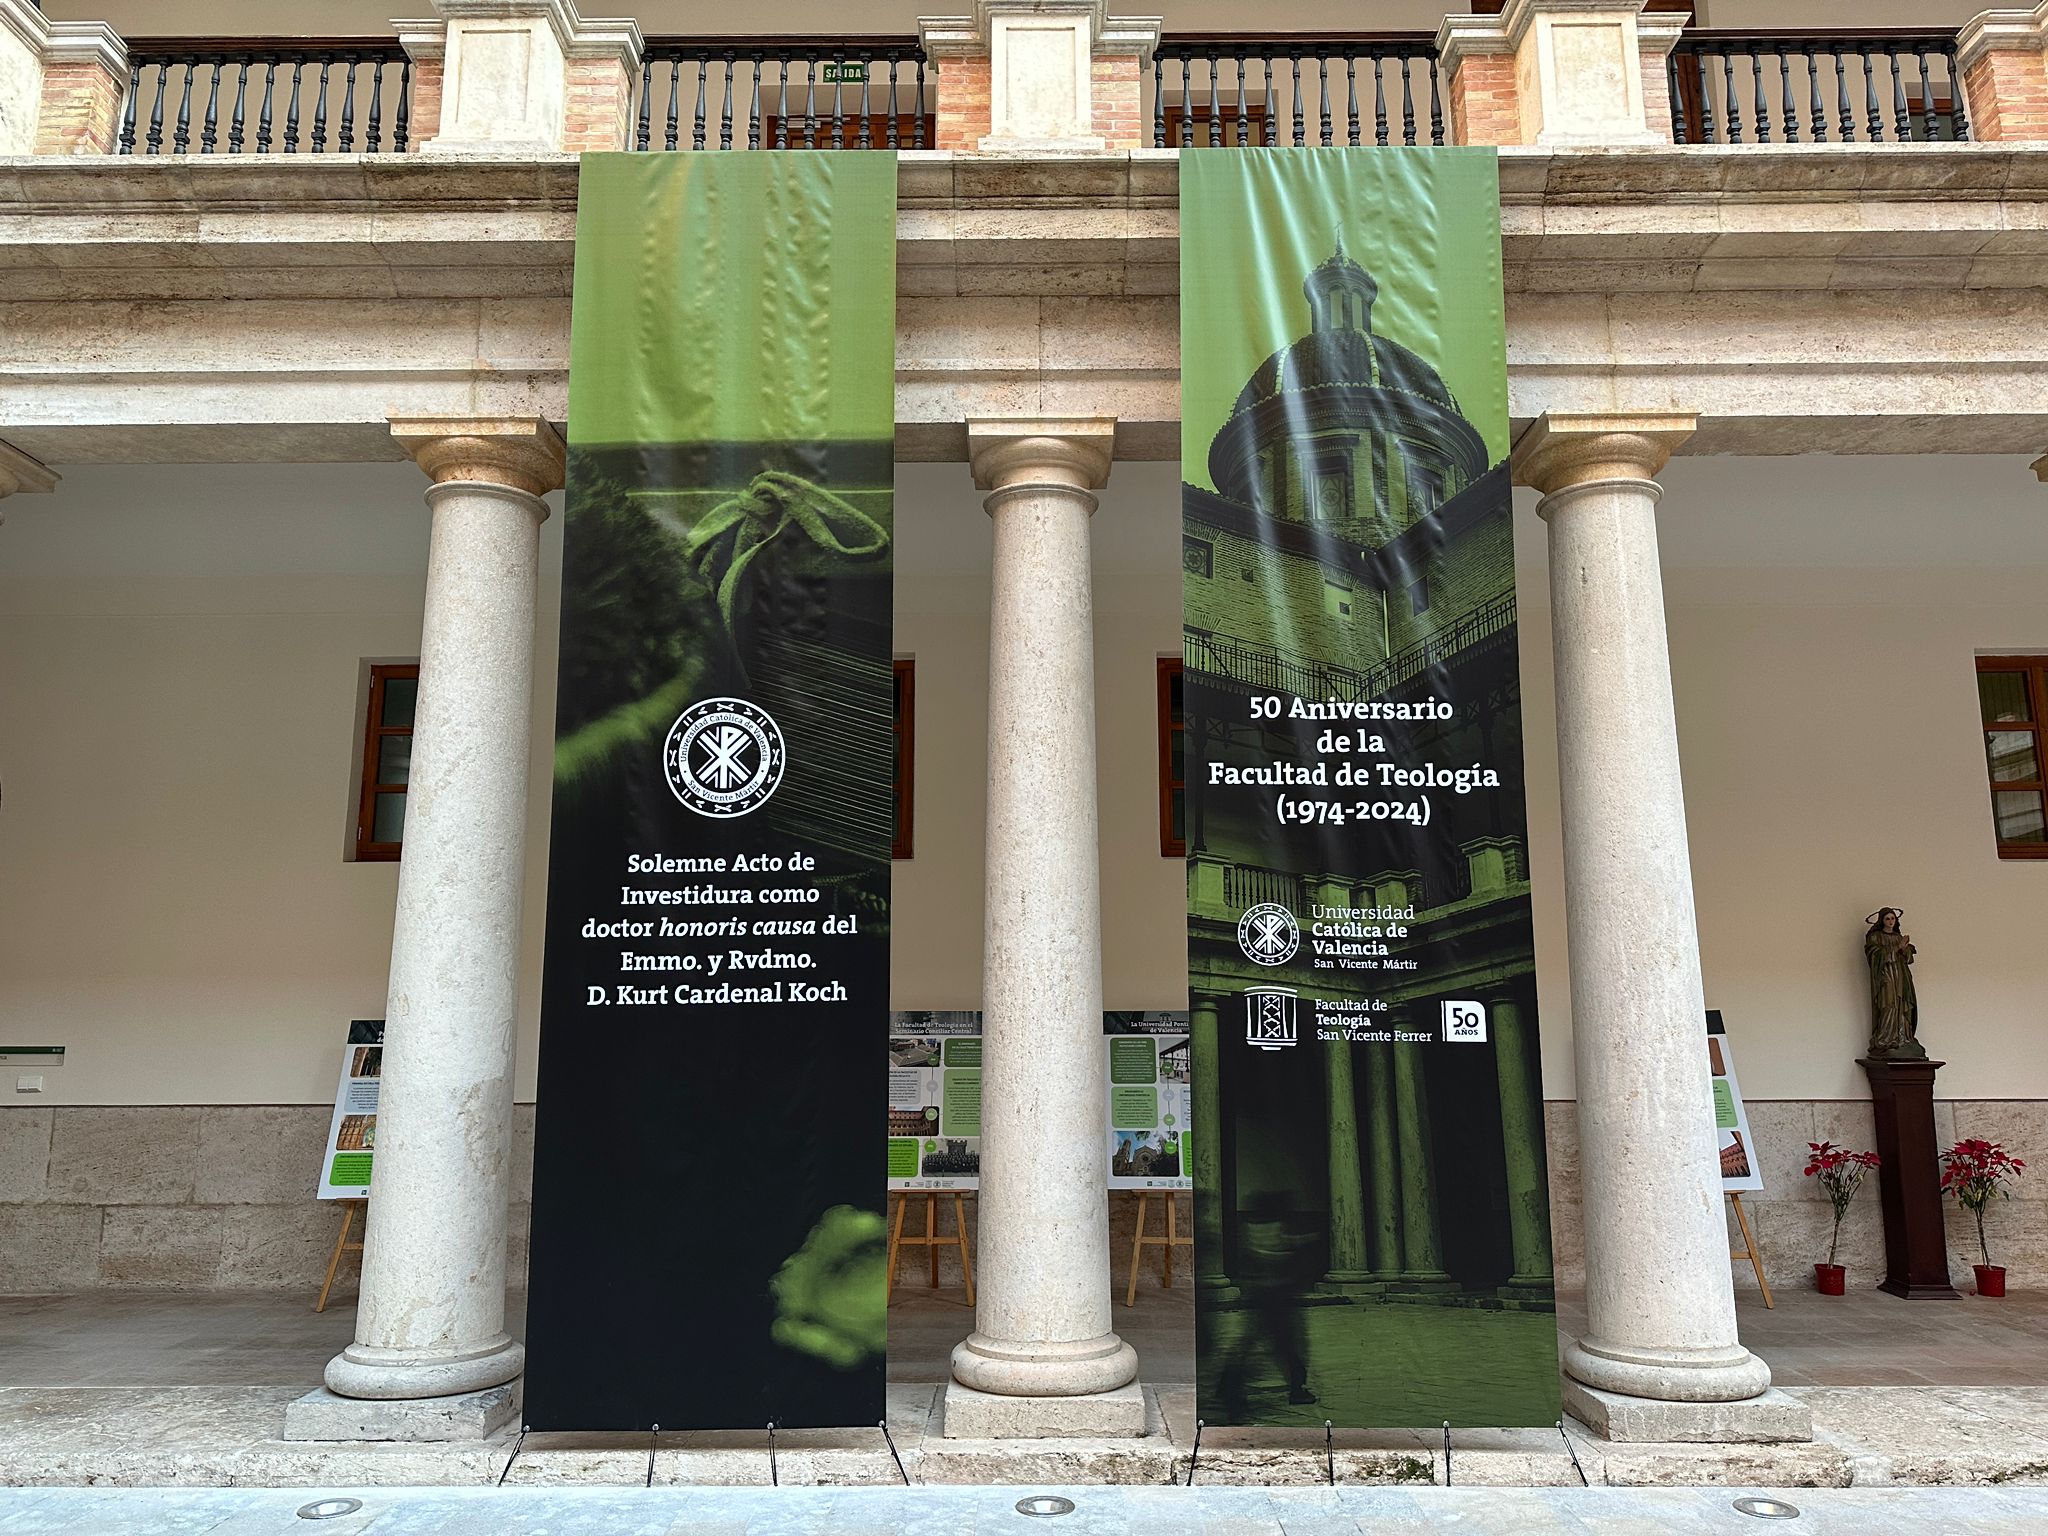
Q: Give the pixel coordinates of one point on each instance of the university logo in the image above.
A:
(1269, 1018)
(1268, 934)
(1464, 1022)
(724, 757)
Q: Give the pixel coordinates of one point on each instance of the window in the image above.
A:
(1173, 752)
(2012, 694)
(387, 760)
(906, 755)
(1418, 597)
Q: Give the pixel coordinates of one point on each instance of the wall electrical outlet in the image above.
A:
(29, 1083)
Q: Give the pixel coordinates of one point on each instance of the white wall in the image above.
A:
(180, 650)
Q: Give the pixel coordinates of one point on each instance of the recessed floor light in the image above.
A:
(1045, 1504)
(329, 1509)
(1767, 1509)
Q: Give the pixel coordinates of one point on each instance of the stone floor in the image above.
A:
(985, 1511)
(188, 1389)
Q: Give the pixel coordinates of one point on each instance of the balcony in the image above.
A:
(1475, 80)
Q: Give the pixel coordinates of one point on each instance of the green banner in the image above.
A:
(708, 1247)
(1370, 1191)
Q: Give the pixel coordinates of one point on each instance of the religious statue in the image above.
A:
(1894, 1008)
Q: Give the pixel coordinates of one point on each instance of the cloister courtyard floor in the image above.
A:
(188, 1389)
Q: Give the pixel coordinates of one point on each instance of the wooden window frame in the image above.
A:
(2034, 669)
(901, 842)
(1167, 672)
(367, 850)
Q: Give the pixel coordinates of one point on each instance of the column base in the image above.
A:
(1727, 1375)
(973, 1415)
(396, 1374)
(1349, 1282)
(1769, 1417)
(1039, 1368)
(321, 1415)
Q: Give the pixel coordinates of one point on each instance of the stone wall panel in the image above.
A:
(167, 1247)
(253, 1154)
(48, 1248)
(125, 1154)
(24, 1152)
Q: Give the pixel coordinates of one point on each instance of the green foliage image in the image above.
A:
(831, 1299)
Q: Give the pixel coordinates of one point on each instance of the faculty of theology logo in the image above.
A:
(1269, 1018)
(1268, 934)
(724, 757)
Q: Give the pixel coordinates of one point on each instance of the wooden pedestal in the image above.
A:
(1909, 1179)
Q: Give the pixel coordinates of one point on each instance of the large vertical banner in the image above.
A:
(707, 1244)
(1370, 1194)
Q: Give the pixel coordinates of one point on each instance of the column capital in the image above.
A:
(1073, 451)
(1565, 449)
(21, 474)
(523, 452)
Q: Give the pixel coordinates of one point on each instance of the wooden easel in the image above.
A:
(1748, 1250)
(1140, 1242)
(931, 1241)
(350, 1210)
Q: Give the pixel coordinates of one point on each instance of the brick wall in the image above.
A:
(1656, 95)
(1486, 107)
(598, 106)
(2007, 94)
(81, 108)
(963, 106)
(1118, 105)
(426, 102)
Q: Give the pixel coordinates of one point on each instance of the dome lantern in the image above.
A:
(1340, 294)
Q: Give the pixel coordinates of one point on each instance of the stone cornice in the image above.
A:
(969, 36)
(1463, 37)
(2016, 29)
(25, 22)
(1518, 16)
(87, 42)
(19, 473)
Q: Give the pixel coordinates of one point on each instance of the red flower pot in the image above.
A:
(1990, 1279)
(1829, 1279)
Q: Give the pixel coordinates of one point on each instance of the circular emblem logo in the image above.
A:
(1268, 934)
(724, 757)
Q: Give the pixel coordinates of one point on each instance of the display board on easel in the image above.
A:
(1740, 1169)
(352, 1133)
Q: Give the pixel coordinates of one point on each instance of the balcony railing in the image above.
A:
(309, 95)
(1815, 88)
(1214, 91)
(783, 93)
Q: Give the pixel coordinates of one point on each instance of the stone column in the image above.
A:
(1042, 1359)
(1521, 1129)
(1660, 1296)
(2002, 58)
(1386, 1162)
(1421, 1233)
(22, 475)
(1349, 1270)
(431, 1322)
(1206, 1091)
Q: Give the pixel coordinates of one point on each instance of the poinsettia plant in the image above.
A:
(1841, 1173)
(1974, 1170)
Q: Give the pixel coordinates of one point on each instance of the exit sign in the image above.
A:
(841, 73)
